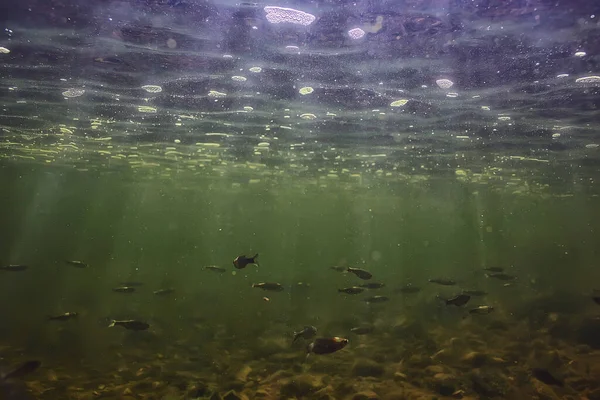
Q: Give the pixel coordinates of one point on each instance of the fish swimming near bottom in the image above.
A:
(130, 324)
(596, 299)
(360, 273)
(23, 369)
(352, 290)
(308, 332)
(327, 345)
(76, 263)
(242, 261)
(63, 317)
(501, 276)
(14, 267)
(481, 310)
(443, 281)
(215, 268)
(459, 300)
(362, 330)
(164, 292)
(13, 389)
(376, 299)
(271, 286)
(124, 289)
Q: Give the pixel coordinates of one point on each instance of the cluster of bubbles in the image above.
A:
(73, 92)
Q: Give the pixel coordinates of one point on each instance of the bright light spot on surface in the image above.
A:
(171, 43)
(562, 75)
(214, 93)
(152, 88)
(255, 69)
(399, 103)
(146, 109)
(452, 95)
(248, 108)
(580, 54)
(485, 108)
(306, 90)
(177, 141)
(239, 78)
(277, 15)
(356, 33)
(73, 92)
(444, 83)
(308, 116)
(592, 146)
(588, 79)
(555, 135)
(4, 50)
(504, 118)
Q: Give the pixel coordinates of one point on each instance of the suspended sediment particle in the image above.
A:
(73, 92)
(399, 103)
(444, 83)
(588, 79)
(152, 88)
(306, 90)
(277, 15)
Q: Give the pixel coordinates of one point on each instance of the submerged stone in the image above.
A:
(366, 367)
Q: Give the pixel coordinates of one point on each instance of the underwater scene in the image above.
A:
(327, 199)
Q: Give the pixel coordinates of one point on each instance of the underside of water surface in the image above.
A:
(299, 200)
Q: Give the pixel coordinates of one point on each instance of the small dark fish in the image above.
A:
(132, 283)
(131, 325)
(494, 269)
(162, 292)
(546, 377)
(308, 332)
(339, 268)
(327, 345)
(13, 267)
(75, 263)
(408, 289)
(362, 330)
(372, 285)
(376, 299)
(214, 268)
(241, 262)
(481, 310)
(361, 273)
(596, 299)
(443, 281)
(271, 286)
(502, 276)
(475, 292)
(64, 317)
(459, 300)
(352, 290)
(124, 289)
(24, 369)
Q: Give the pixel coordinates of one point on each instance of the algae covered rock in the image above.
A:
(366, 367)
(300, 386)
(365, 395)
